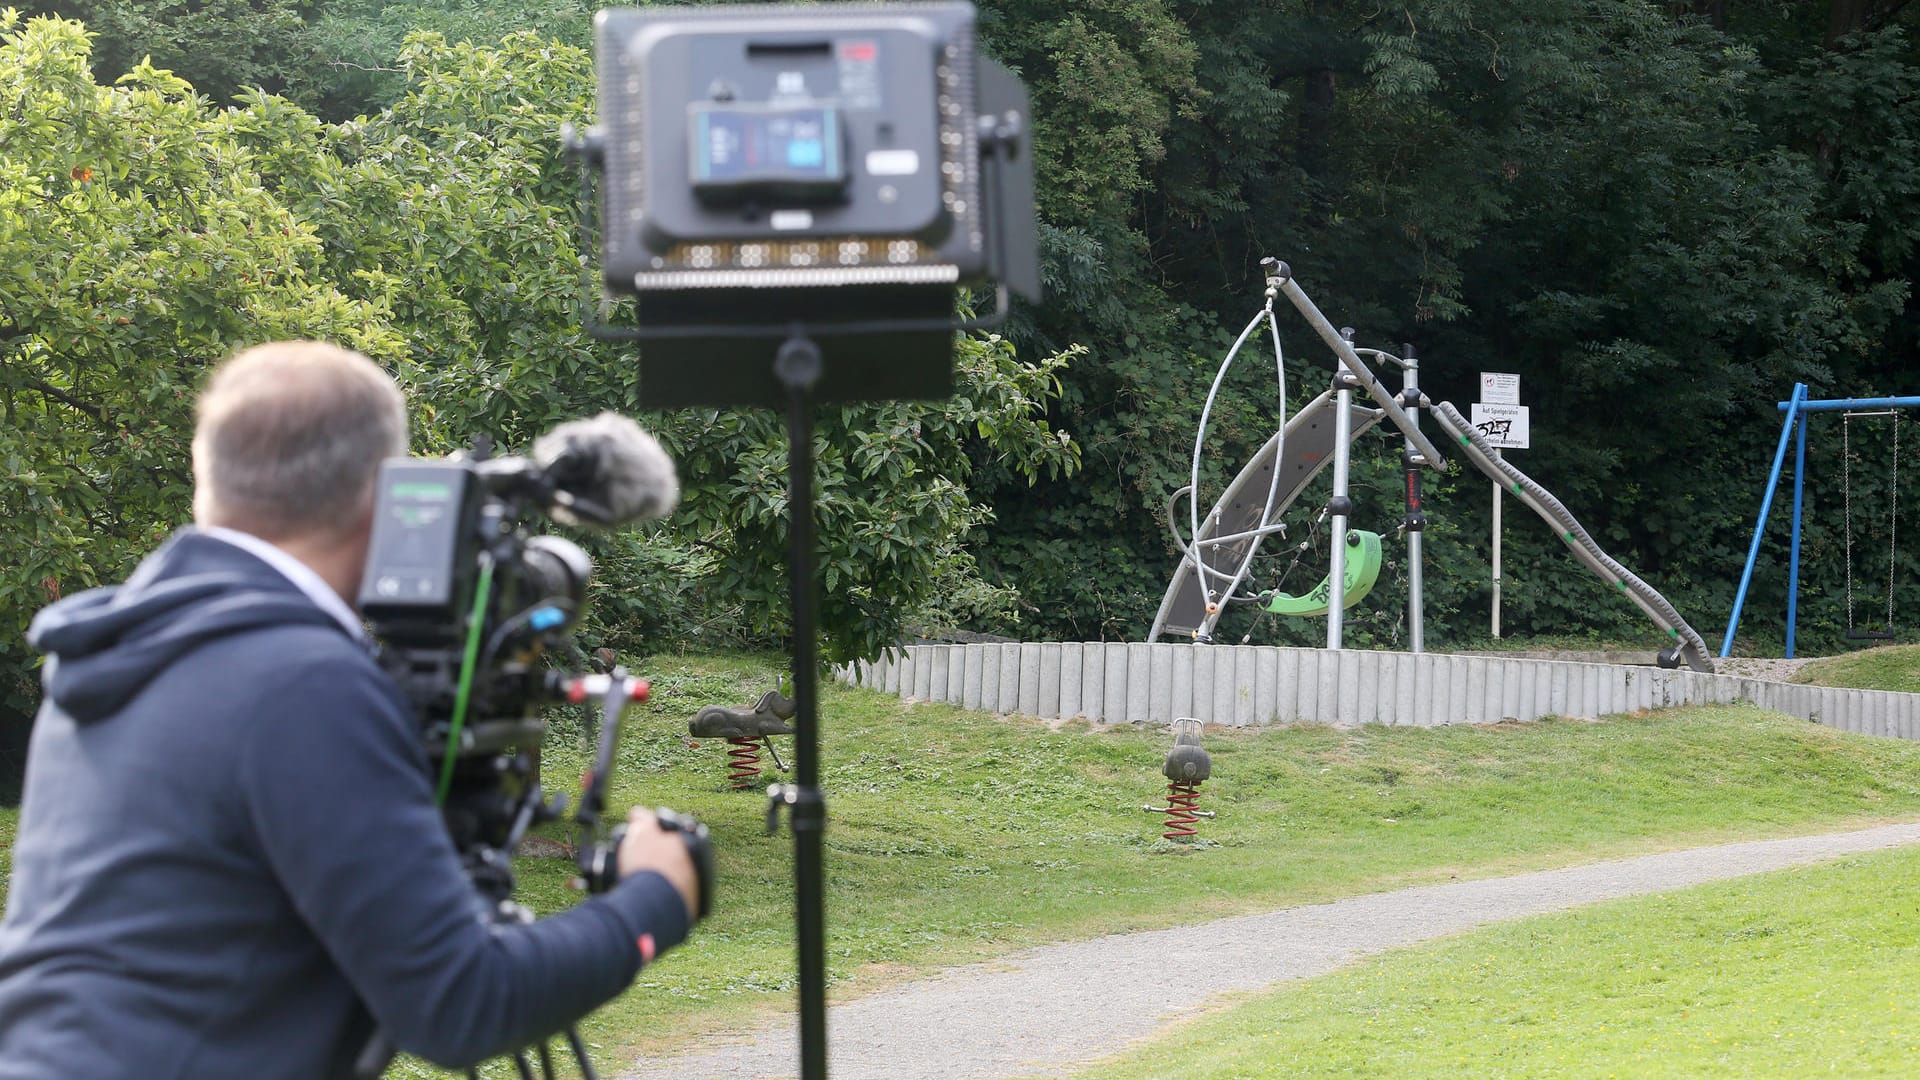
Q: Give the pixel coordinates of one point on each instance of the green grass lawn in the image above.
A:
(1804, 972)
(957, 836)
(9, 820)
(1890, 667)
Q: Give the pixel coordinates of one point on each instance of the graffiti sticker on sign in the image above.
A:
(1505, 426)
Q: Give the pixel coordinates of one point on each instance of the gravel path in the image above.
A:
(1773, 668)
(1048, 1011)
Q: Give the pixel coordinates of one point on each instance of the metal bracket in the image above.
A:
(806, 807)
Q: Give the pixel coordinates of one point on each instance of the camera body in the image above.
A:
(466, 601)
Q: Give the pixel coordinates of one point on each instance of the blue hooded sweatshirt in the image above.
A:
(230, 863)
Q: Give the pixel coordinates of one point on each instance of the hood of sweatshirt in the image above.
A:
(104, 645)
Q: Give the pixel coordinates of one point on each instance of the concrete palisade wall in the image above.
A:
(1249, 685)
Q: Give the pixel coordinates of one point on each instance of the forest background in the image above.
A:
(1660, 215)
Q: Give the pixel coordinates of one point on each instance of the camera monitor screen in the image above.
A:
(412, 570)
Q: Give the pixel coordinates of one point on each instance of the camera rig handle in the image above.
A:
(599, 859)
(615, 692)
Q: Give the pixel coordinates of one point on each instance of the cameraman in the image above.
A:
(229, 862)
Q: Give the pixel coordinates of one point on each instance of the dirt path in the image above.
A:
(1048, 1011)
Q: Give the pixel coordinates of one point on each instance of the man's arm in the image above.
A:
(340, 799)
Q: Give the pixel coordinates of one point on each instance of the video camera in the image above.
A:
(467, 600)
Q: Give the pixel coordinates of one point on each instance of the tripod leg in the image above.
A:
(580, 1055)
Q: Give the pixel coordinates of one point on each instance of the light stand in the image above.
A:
(792, 196)
(798, 365)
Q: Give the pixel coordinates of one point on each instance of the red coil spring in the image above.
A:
(743, 763)
(1182, 797)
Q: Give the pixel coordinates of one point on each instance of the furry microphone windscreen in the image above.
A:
(611, 461)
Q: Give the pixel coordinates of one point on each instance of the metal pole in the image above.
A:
(1496, 551)
(1853, 404)
(1339, 506)
(1766, 506)
(1430, 455)
(1416, 522)
(799, 364)
(1793, 564)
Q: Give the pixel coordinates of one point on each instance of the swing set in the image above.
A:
(1796, 409)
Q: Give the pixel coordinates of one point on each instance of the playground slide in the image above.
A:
(1687, 644)
(1309, 448)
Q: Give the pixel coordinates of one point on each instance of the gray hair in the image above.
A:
(290, 436)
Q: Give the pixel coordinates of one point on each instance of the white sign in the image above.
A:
(1499, 388)
(1505, 426)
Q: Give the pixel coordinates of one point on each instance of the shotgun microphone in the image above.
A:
(606, 470)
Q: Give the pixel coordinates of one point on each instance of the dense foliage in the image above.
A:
(1661, 215)
(1661, 218)
(146, 235)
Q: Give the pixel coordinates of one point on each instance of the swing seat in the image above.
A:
(1362, 570)
(1870, 635)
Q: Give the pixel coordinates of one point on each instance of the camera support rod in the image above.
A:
(798, 364)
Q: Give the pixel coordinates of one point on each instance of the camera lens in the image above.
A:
(557, 568)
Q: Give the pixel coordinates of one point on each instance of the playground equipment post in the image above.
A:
(1416, 515)
(1340, 506)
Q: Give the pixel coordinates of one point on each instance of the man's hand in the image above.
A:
(649, 847)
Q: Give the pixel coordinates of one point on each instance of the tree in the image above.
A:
(139, 246)
(454, 211)
(1660, 214)
(1618, 200)
(354, 44)
(219, 46)
(149, 235)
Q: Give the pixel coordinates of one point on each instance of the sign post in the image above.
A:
(1497, 495)
(1500, 419)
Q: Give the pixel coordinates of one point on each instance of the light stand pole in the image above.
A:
(798, 365)
(851, 237)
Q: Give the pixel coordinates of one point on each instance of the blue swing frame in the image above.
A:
(1796, 409)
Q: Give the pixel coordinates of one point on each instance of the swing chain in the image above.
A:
(1893, 515)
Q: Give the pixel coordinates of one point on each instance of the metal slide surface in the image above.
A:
(1309, 448)
(1575, 536)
